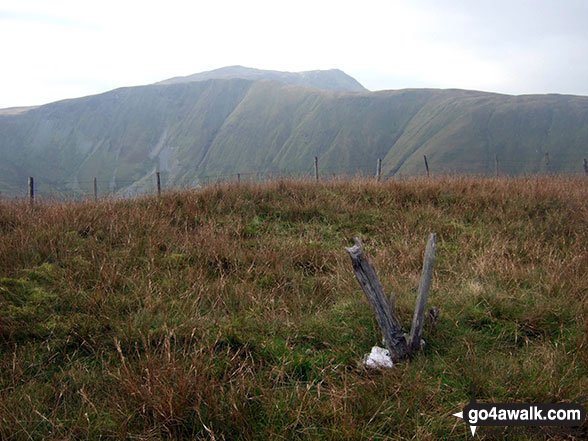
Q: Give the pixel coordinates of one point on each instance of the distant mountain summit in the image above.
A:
(190, 130)
(332, 79)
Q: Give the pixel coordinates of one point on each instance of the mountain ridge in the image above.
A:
(331, 79)
(191, 130)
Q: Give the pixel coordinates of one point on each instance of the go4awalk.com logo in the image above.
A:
(521, 414)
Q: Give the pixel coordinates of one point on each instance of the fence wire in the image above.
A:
(113, 187)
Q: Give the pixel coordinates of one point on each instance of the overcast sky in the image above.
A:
(60, 49)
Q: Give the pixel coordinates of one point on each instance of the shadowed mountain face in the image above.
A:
(333, 79)
(215, 127)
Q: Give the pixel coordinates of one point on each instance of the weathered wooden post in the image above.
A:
(31, 189)
(95, 189)
(157, 177)
(396, 341)
(414, 340)
(238, 178)
(382, 307)
(585, 167)
(379, 170)
(316, 172)
(426, 165)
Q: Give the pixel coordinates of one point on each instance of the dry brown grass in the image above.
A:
(232, 313)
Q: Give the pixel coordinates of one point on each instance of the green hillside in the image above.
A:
(189, 131)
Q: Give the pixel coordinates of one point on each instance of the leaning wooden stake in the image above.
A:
(369, 282)
(383, 308)
(414, 341)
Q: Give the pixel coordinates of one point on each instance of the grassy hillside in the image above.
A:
(121, 137)
(232, 313)
(222, 127)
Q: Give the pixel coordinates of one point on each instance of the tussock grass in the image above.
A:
(232, 312)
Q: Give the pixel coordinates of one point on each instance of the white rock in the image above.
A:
(379, 358)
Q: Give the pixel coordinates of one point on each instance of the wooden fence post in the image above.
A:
(238, 178)
(414, 340)
(31, 189)
(158, 178)
(426, 165)
(370, 283)
(585, 167)
(316, 172)
(383, 308)
(95, 189)
(379, 170)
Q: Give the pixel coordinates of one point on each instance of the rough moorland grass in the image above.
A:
(232, 313)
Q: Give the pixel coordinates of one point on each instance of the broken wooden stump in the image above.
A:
(414, 341)
(399, 345)
(370, 283)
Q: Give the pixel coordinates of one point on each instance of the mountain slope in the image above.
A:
(333, 79)
(188, 131)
